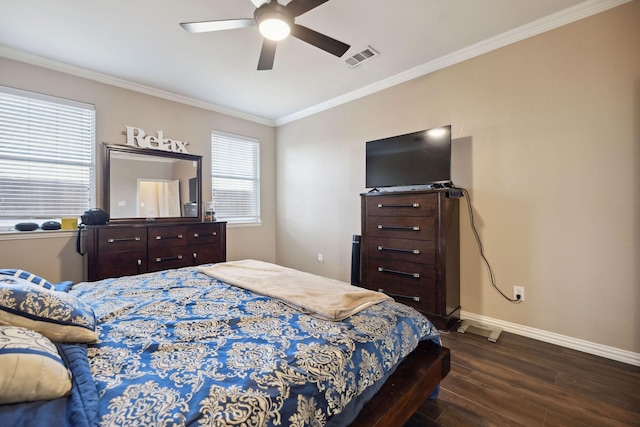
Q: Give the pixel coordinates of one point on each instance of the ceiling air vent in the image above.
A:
(360, 57)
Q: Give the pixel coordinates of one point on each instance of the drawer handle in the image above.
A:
(412, 251)
(391, 227)
(124, 239)
(179, 236)
(169, 258)
(410, 205)
(414, 298)
(196, 235)
(403, 273)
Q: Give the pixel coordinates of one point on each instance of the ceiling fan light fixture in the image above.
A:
(274, 22)
(274, 29)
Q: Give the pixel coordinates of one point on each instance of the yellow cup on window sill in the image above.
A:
(69, 223)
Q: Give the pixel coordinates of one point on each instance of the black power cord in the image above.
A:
(480, 247)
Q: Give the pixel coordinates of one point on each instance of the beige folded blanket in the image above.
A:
(320, 296)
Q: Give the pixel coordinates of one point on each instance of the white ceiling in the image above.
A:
(138, 44)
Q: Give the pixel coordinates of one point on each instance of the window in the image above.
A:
(235, 177)
(46, 156)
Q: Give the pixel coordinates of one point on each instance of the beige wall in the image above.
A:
(547, 140)
(55, 258)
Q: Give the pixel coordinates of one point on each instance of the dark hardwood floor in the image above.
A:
(519, 381)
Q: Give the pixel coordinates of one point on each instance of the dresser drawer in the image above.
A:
(416, 228)
(161, 237)
(118, 264)
(205, 254)
(402, 205)
(169, 257)
(123, 239)
(409, 283)
(204, 234)
(421, 251)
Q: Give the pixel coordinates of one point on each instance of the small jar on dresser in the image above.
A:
(411, 250)
(115, 250)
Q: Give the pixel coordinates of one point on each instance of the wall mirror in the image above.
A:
(142, 184)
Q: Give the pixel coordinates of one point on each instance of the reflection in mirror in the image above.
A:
(158, 199)
(144, 184)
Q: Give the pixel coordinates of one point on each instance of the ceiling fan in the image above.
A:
(275, 22)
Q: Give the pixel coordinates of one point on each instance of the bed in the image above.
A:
(182, 347)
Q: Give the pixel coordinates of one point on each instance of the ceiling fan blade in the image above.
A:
(320, 41)
(258, 3)
(227, 24)
(298, 7)
(267, 55)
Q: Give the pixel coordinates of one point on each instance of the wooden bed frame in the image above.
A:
(403, 393)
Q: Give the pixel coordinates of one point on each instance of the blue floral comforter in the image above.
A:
(178, 347)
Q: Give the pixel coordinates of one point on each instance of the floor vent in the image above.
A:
(360, 57)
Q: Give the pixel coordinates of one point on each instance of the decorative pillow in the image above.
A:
(58, 316)
(27, 276)
(30, 367)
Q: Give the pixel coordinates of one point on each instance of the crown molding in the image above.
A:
(558, 19)
(567, 16)
(62, 67)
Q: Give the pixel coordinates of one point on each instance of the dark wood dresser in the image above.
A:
(125, 249)
(411, 251)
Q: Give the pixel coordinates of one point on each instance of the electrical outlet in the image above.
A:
(320, 258)
(518, 293)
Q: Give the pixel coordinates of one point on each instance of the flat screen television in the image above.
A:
(415, 159)
(193, 190)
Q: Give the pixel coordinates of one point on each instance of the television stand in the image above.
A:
(410, 247)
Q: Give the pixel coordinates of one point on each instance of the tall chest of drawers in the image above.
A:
(410, 250)
(127, 249)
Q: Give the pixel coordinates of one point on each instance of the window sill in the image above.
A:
(243, 224)
(12, 234)
(35, 234)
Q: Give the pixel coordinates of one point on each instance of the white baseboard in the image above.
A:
(608, 352)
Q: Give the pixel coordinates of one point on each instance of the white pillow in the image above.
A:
(30, 367)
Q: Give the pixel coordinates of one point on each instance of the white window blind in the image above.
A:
(46, 156)
(235, 177)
